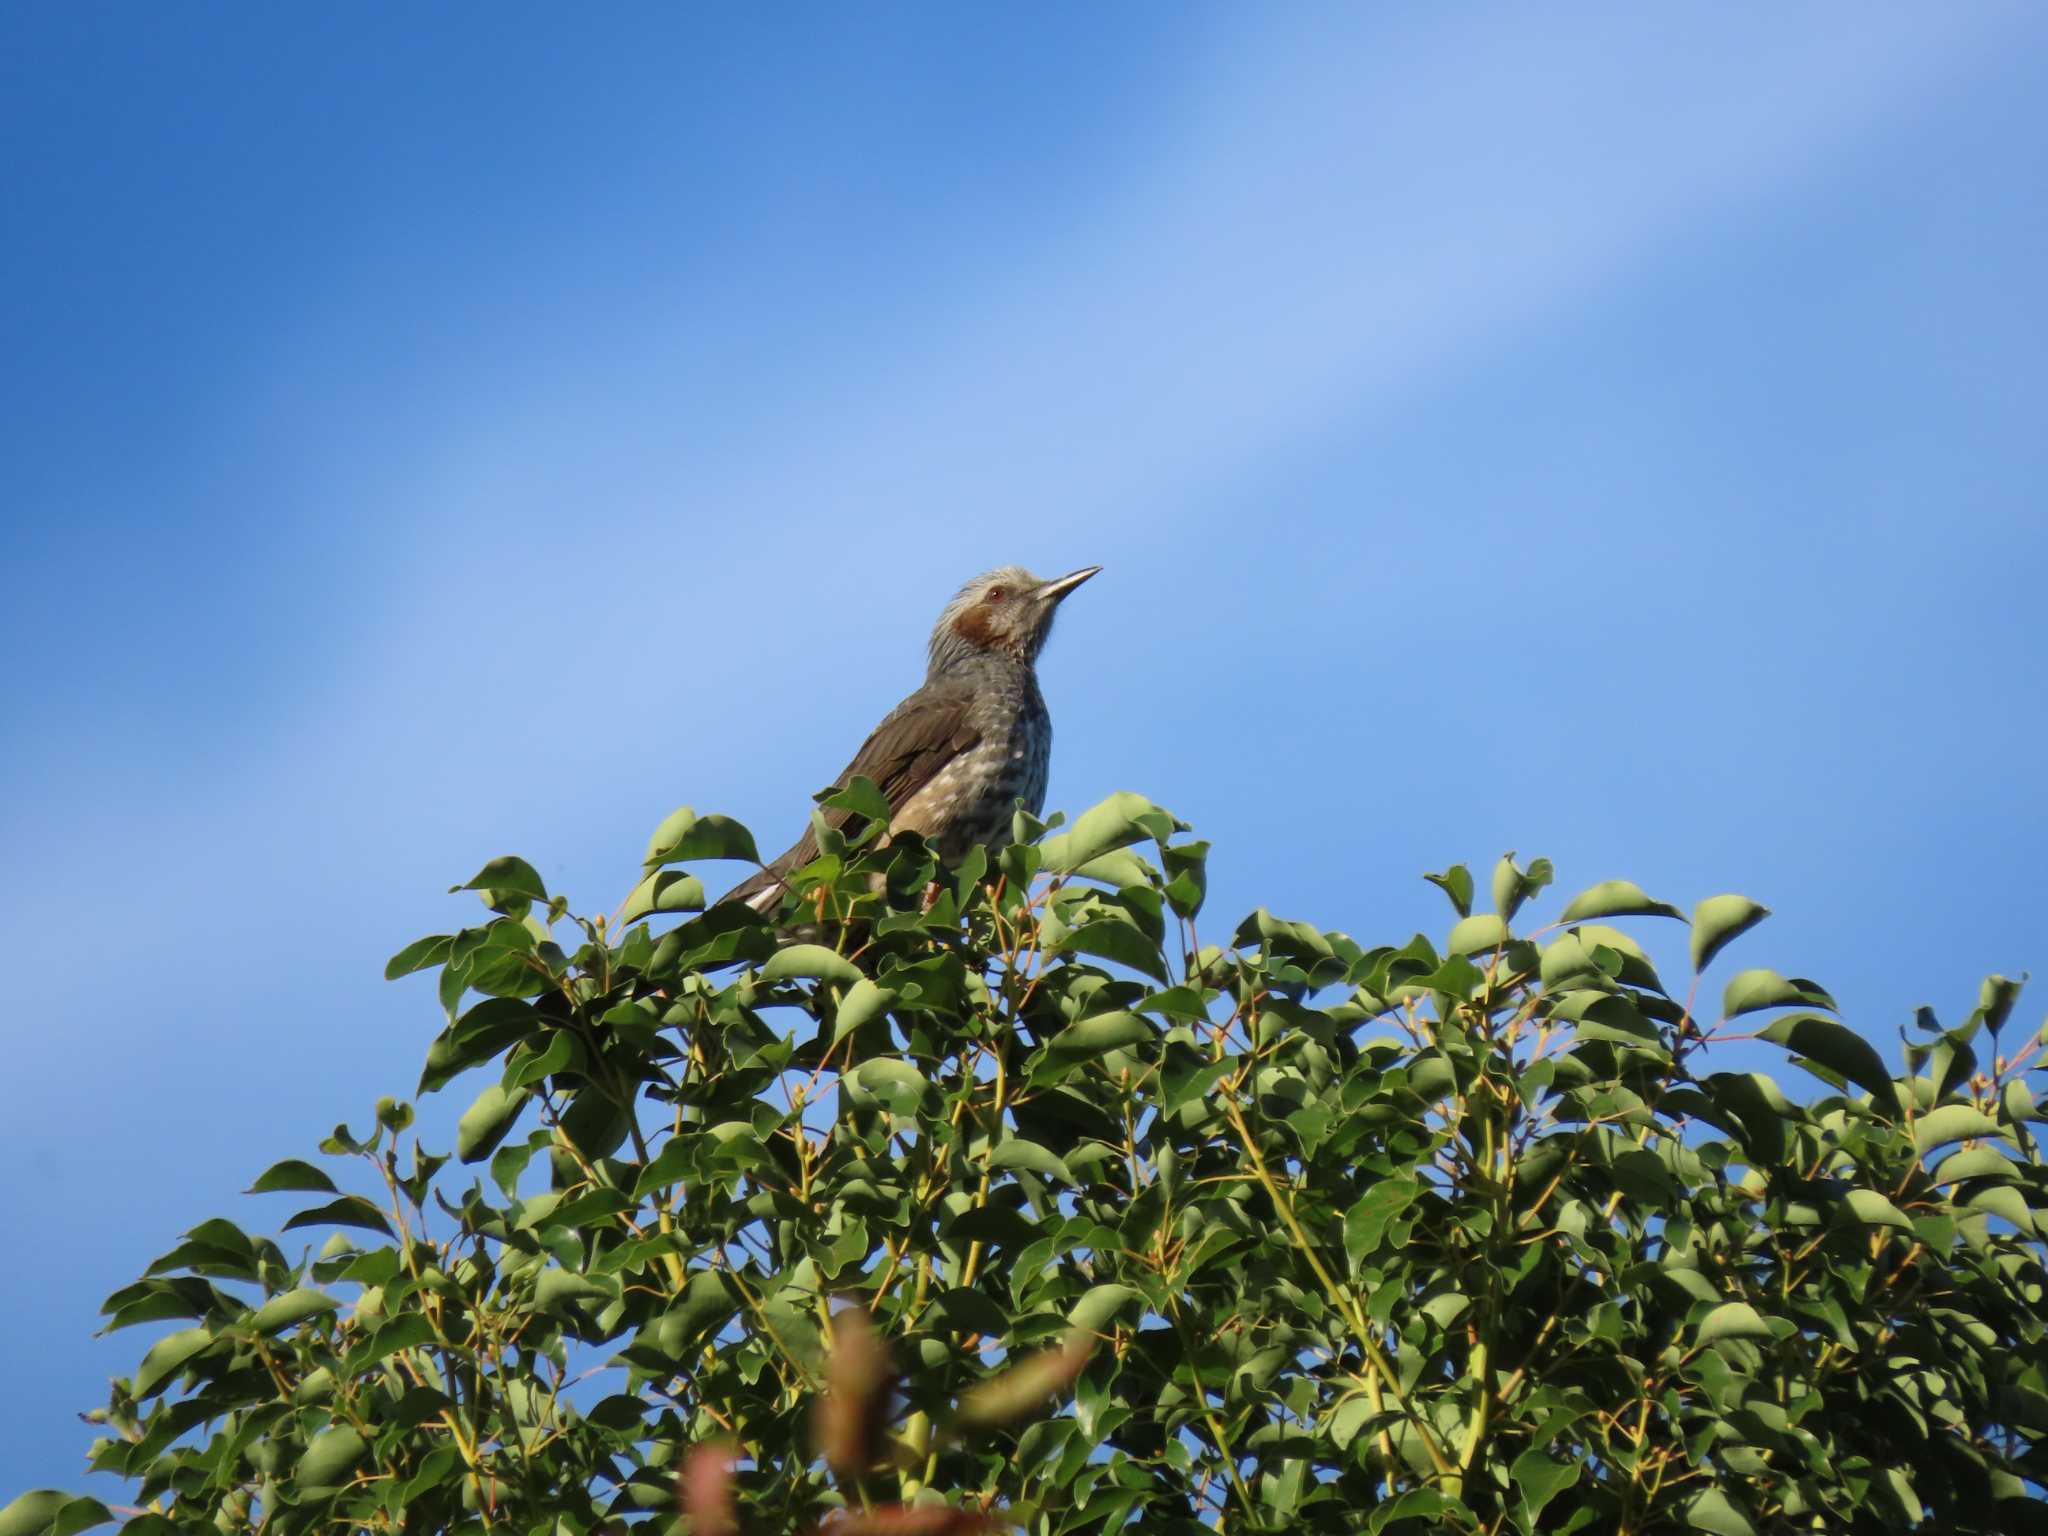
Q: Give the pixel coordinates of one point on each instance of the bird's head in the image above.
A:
(1004, 612)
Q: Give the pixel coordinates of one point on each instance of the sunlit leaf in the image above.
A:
(1616, 898)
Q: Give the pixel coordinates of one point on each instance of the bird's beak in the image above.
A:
(1052, 591)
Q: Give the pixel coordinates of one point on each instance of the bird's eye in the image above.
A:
(995, 594)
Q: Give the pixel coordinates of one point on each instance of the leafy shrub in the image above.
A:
(1287, 1235)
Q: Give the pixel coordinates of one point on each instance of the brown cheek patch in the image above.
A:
(976, 626)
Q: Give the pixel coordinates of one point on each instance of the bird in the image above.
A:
(961, 753)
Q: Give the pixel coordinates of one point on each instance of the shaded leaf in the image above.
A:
(79, 1514)
(487, 1121)
(506, 877)
(1456, 883)
(1995, 999)
(664, 890)
(292, 1174)
(418, 955)
(1095, 1310)
(1719, 921)
(1513, 885)
(1016, 1152)
(1091, 1037)
(348, 1211)
(167, 1356)
(1537, 1480)
(969, 1311)
(1835, 1046)
(332, 1454)
(1111, 939)
(1749, 991)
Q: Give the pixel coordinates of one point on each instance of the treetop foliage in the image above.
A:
(949, 1199)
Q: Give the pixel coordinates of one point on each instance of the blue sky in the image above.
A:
(1606, 433)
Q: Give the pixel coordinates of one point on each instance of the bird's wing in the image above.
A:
(914, 742)
(904, 753)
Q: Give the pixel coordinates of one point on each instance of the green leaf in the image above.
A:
(348, 1211)
(490, 1116)
(408, 1330)
(509, 876)
(897, 1084)
(1456, 883)
(1099, 1305)
(294, 1306)
(685, 835)
(2016, 1101)
(809, 960)
(863, 1003)
(1366, 1223)
(292, 1174)
(478, 1036)
(167, 1356)
(1873, 1210)
(1113, 939)
(418, 955)
(80, 1514)
(1982, 1162)
(1733, 1320)
(2005, 1202)
(664, 890)
(531, 1066)
(862, 797)
(709, 1300)
(1749, 991)
(557, 1286)
(1513, 885)
(1474, 935)
(1616, 898)
(31, 1514)
(1995, 999)
(1187, 876)
(1711, 1511)
(1718, 921)
(1088, 1038)
(969, 1311)
(1029, 1155)
(1351, 1416)
(668, 1166)
(330, 1457)
(1117, 822)
(1835, 1046)
(1953, 1122)
(1565, 964)
(1537, 1479)
(621, 1411)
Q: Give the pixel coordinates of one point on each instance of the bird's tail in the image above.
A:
(762, 890)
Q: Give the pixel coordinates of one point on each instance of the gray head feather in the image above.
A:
(1006, 612)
